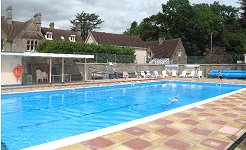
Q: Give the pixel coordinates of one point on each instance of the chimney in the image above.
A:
(161, 40)
(78, 28)
(37, 20)
(9, 14)
(52, 25)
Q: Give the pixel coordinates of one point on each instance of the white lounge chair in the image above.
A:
(174, 73)
(125, 75)
(156, 74)
(148, 74)
(200, 74)
(41, 76)
(164, 73)
(136, 74)
(192, 74)
(183, 74)
(142, 73)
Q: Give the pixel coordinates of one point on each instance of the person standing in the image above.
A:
(220, 76)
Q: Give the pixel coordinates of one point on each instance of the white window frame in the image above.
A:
(72, 38)
(62, 38)
(31, 45)
(179, 52)
(49, 36)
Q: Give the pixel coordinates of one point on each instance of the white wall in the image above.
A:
(141, 55)
(8, 63)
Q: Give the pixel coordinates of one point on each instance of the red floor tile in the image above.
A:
(239, 109)
(168, 131)
(219, 122)
(201, 131)
(182, 114)
(214, 143)
(210, 105)
(206, 114)
(198, 109)
(228, 105)
(177, 144)
(243, 121)
(162, 121)
(135, 131)
(99, 142)
(137, 144)
(219, 109)
(190, 121)
(230, 115)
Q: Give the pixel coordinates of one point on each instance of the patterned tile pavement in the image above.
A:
(214, 126)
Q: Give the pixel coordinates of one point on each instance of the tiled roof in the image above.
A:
(164, 50)
(57, 33)
(117, 39)
(12, 30)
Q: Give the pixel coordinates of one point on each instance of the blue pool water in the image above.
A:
(34, 118)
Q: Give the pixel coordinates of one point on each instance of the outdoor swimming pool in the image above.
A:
(34, 118)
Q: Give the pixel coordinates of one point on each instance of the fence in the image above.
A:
(216, 59)
(105, 58)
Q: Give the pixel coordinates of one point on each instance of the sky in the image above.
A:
(116, 14)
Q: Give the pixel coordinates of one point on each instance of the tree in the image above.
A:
(134, 30)
(87, 21)
(243, 14)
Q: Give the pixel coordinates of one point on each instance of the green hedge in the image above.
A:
(66, 47)
(123, 54)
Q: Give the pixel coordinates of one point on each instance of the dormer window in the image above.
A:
(48, 36)
(72, 38)
(62, 38)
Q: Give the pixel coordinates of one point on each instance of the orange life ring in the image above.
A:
(18, 71)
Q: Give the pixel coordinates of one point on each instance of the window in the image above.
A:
(179, 52)
(48, 36)
(2, 44)
(62, 37)
(31, 45)
(72, 38)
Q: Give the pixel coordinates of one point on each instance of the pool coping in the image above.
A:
(97, 133)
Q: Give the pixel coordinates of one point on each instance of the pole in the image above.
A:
(211, 38)
(50, 70)
(62, 70)
(85, 70)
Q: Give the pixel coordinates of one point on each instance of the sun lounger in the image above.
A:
(192, 74)
(183, 74)
(174, 73)
(164, 73)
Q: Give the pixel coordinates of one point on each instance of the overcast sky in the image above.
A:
(116, 14)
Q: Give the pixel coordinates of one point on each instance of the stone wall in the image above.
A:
(131, 68)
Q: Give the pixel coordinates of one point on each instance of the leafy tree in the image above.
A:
(134, 30)
(87, 21)
(243, 14)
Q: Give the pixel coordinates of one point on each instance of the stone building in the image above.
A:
(20, 36)
(171, 50)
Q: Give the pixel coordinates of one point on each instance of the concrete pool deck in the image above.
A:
(214, 125)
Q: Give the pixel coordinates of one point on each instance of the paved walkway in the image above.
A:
(215, 125)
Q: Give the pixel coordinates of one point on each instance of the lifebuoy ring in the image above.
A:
(18, 71)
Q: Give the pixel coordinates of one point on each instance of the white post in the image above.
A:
(62, 70)
(85, 70)
(50, 69)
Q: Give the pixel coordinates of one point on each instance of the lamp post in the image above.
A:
(211, 39)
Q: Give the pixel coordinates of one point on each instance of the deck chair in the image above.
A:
(164, 73)
(156, 74)
(45, 76)
(125, 75)
(148, 74)
(136, 74)
(183, 74)
(192, 74)
(39, 75)
(174, 73)
(200, 74)
(142, 73)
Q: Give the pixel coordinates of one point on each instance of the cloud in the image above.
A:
(116, 14)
